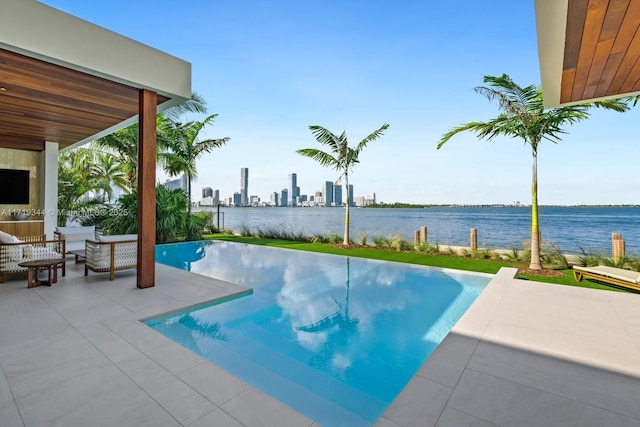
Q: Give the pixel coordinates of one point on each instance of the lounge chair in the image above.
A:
(609, 275)
(111, 254)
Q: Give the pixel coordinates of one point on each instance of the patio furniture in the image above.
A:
(15, 250)
(609, 275)
(111, 254)
(75, 236)
(37, 266)
(80, 255)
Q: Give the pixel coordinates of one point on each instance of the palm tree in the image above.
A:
(123, 143)
(110, 174)
(77, 180)
(185, 148)
(523, 116)
(341, 158)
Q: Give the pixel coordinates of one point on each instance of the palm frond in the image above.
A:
(196, 104)
(323, 158)
(372, 137)
(619, 105)
(325, 137)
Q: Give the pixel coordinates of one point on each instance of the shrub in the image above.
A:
(590, 259)
(399, 244)
(381, 241)
(363, 238)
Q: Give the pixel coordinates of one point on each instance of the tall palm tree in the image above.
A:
(341, 158)
(523, 116)
(123, 143)
(185, 148)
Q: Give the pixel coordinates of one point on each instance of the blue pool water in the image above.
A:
(336, 338)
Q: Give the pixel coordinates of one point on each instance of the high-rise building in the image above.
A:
(207, 192)
(275, 199)
(284, 197)
(319, 198)
(328, 193)
(350, 195)
(237, 199)
(370, 199)
(294, 190)
(244, 187)
(178, 183)
(216, 198)
(337, 195)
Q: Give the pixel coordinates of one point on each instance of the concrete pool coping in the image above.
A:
(525, 353)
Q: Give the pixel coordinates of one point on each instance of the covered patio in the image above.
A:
(65, 82)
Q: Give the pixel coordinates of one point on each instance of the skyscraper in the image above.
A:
(337, 195)
(207, 192)
(284, 197)
(237, 199)
(350, 196)
(244, 186)
(328, 193)
(178, 183)
(293, 189)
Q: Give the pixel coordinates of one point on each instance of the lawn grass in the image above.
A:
(443, 261)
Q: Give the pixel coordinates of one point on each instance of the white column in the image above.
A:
(49, 187)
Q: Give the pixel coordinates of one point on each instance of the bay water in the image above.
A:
(569, 228)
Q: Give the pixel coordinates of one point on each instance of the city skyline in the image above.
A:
(262, 69)
(211, 197)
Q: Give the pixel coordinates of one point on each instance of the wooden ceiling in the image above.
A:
(40, 101)
(602, 49)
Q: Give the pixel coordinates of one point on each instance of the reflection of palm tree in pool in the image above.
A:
(211, 330)
(338, 325)
(197, 255)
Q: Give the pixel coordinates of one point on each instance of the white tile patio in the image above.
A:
(524, 354)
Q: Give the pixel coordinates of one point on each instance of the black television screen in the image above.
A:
(14, 187)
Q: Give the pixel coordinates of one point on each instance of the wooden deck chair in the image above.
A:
(609, 275)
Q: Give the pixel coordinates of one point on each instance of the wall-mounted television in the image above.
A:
(14, 187)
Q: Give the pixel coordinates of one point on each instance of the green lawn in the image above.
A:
(444, 261)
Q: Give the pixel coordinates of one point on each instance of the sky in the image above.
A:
(270, 69)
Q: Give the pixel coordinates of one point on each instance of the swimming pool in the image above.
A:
(336, 338)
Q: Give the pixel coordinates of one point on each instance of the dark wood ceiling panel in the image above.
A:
(599, 71)
(576, 16)
(40, 101)
(596, 11)
(602, 49)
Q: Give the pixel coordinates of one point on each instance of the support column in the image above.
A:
(147, 189)
(49, 187)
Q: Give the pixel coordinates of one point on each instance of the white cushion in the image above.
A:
(117, 238)
(75, 246)
(5, 237)
(83, 229)
(14, 252)
(76, 237)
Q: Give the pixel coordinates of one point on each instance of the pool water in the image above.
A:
(336, 338)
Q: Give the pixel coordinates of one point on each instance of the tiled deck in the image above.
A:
(525, 354)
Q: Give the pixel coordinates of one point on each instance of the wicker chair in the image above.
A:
(30, 248)
(111, 254)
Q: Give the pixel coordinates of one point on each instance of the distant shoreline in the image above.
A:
(428, 206)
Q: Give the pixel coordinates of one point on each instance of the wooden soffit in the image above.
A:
(602, 49)
(40, 101)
